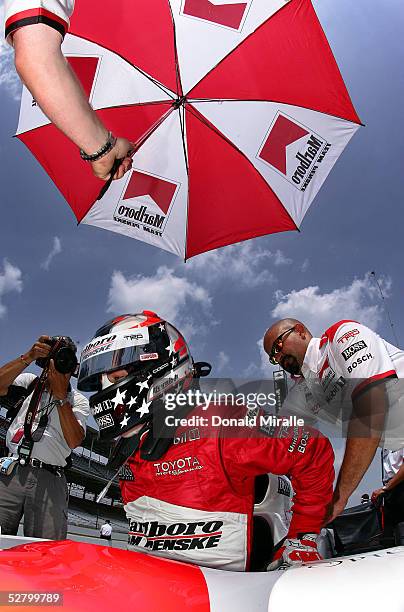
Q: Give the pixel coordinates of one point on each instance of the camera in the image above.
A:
(63, 353)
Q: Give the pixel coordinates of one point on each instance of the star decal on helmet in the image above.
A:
(161, 327)
(125, 420)
(173, 362)
(119, 398)
(132, 401)
(144, 408)
(170, 348)
(143, 384)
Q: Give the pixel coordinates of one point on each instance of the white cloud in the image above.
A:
(222, 361)
(9, 79)
(246, 264)
(319, 310)
(281, 259)
(10, 280)
(305, 265)
(55, 250)
(171, 296)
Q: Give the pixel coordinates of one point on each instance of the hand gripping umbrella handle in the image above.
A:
(107, 184)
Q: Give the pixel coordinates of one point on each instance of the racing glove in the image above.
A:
(295, 552)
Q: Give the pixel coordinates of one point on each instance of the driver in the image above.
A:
(190, 497)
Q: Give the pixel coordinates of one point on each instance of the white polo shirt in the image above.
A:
(52, 448)
(339, 366)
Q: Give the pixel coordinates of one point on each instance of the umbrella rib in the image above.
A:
(212, 127)
(177, 63)
(198, 100)
(167, 91)
(184, 144)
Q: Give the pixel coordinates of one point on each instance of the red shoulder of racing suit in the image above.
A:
(206, 481)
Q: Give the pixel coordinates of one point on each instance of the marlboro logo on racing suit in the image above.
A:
(176, 536)
(293, 150)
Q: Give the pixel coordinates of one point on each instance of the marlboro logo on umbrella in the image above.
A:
(294, 150)
(146, 202)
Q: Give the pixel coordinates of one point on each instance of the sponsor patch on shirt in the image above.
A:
(349, 334)
(354, 348)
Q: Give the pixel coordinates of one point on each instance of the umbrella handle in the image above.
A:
(107, 184)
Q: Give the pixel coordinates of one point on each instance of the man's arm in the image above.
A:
(48, 76)
(392, 483)
(10, 371)
(363, 437)
(59, 384)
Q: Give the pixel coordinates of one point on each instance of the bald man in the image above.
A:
(349, 374)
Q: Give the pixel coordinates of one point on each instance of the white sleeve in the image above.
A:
(24, 380)
(361, 356)
(54, 13)
(81, 408)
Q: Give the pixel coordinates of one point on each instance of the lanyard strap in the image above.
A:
(32, 410)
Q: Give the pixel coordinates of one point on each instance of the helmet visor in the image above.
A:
(115, 351)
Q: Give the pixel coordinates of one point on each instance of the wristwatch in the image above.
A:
(59, 402)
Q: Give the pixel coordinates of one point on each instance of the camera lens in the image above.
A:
(65, 360)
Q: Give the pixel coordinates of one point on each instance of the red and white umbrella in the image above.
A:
(237, 108)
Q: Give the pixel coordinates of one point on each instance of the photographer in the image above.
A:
(49, 420)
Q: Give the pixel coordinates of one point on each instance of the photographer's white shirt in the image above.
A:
(52, 448)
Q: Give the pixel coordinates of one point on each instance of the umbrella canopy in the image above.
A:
(237, 109)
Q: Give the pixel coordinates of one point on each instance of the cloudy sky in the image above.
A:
(58, 278)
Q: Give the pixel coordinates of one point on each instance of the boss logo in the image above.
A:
(354, 348)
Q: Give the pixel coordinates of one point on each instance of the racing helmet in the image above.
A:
(156, 359)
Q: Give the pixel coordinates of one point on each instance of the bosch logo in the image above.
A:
(358, 362)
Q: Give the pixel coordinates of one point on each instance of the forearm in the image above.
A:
(397, 478)
(48, 76)
(359, 453)
(10, 371)
(72, 430)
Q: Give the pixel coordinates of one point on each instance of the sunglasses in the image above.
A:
(278, 345)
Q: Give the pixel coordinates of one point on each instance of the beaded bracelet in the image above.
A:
(111, 142)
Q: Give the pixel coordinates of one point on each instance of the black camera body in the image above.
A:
(63, 352)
